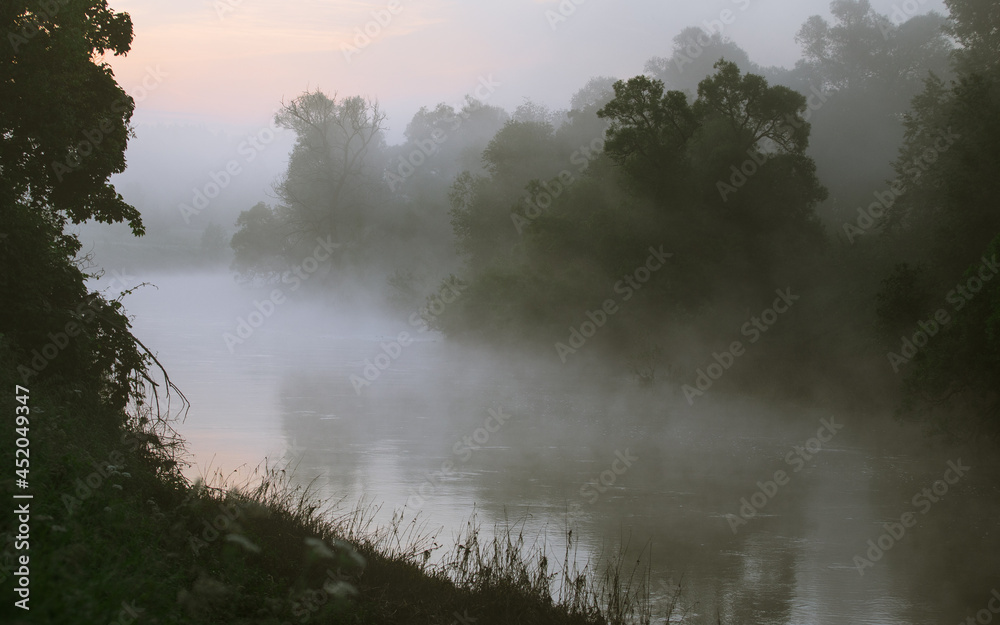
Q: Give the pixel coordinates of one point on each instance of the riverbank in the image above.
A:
(118, 535)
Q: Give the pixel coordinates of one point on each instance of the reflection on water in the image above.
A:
(619, 463)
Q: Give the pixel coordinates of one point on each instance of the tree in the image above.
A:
(440, 144)
(861, 71)
(335, 169)
(976, 26)
(529, 111)
(63, 130)
(850, 54)
(520, 152)
(950, 383)
(947, 220)
(648, 133)
(212, 244)
(693, 59)
(260, 245)
(689, 159)
(65, 120)
(654, 184)
(878, 64)
(334, 188)
(757, 114)
(664, 143)
(598, 91)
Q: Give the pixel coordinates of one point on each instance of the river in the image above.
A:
(444, 432)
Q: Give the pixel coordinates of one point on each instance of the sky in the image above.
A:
(235, 61)
(208, 75)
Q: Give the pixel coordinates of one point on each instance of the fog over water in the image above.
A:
(286, 395)
(720, 299)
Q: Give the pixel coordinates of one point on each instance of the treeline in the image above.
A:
(860, 179)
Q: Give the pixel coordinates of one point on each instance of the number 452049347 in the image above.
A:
(21, 428)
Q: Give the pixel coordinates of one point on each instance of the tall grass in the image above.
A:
(504, 569)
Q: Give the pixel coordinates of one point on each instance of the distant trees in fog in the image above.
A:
(825, 177)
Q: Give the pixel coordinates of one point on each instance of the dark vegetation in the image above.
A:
(547, 211)
(862, 179)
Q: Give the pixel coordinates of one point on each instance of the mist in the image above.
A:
(689, 307)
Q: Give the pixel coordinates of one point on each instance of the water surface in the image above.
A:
(420, 439)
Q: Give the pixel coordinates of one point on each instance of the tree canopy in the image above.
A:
(64, 126)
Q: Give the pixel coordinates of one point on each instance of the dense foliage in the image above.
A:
(63, 130)
(945, 228)
(686, 196)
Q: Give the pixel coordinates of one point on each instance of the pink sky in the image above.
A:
(234, 60)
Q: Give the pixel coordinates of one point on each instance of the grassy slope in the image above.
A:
(139, 541)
